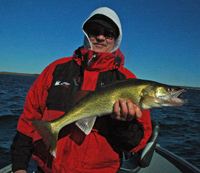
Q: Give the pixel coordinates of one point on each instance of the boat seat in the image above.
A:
(132, 162)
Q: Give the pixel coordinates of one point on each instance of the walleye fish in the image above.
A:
(145, 94)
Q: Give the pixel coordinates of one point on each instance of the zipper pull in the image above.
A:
(75, 83)
(94, 56)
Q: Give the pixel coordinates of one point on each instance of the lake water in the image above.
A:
(179, 126)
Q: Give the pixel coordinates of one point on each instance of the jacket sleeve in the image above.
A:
(35, 104)
(21, 149)
(145, 121)
(130, 135)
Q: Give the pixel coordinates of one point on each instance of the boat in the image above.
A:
(152, 159)
(155, 159)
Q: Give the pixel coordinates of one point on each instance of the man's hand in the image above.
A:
(125, 111)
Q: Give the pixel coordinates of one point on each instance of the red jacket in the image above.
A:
(52, 94)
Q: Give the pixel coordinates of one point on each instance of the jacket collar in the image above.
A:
(94, 61)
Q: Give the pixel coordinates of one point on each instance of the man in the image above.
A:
(99, 62)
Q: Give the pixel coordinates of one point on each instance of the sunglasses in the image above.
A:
(108, 34)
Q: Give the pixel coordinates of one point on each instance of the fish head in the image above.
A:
(161, 95)
(170, 95)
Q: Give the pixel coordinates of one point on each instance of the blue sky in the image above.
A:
(161, 38)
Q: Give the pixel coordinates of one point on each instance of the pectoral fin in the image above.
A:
(86, 124)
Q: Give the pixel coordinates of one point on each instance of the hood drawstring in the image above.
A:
(94, 56)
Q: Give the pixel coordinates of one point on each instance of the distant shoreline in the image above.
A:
(23, 74)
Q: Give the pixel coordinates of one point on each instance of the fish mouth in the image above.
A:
(177, 96)
(173, 99)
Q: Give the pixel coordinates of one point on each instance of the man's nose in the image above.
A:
(101, 37)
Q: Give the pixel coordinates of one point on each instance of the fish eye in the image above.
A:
(170, 89)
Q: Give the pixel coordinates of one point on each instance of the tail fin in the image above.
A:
(49, 136)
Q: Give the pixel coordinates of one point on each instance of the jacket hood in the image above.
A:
(111, 15)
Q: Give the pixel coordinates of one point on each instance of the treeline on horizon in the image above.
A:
(23, 74)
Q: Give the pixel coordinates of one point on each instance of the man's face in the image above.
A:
(101, 38)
